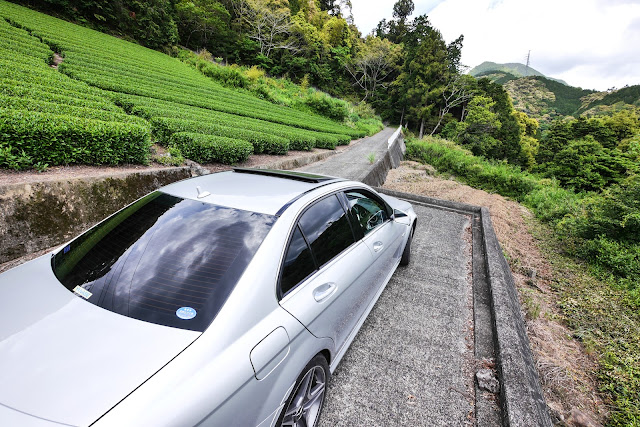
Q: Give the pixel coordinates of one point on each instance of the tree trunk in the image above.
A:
(421, 129)
(402, 116)
(442, 113)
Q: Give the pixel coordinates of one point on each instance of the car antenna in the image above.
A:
(202, 194)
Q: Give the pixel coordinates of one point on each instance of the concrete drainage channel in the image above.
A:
(73, 205)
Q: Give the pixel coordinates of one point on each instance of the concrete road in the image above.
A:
(412, 361)
(354, 162)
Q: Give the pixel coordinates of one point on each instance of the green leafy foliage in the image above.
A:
(149, 84)
(173, 157)
(211, 148)
(602, 229)
(150, 22)
(149, 108)
(164, 127)
(586, 165)
(49, 119)
(61, 139)
(590, 153)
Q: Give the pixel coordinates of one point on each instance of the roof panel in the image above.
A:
(247, 191)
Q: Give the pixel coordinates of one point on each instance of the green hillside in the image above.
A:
(77, 113)
(545, 99)
(606, 102)
(500, 77)
(487, 69)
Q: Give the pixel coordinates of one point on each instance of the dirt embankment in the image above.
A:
(566, 371)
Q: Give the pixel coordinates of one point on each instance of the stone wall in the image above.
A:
(41, 215)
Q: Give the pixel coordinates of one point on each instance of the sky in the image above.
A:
(593, 44)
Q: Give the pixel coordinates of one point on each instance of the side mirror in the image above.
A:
(398, 214)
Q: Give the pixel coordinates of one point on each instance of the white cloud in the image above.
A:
(594, 44)
(368, 13)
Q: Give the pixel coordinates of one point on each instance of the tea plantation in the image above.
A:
(109, 99)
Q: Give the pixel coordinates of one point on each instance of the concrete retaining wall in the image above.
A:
(38, 216)
(377, 174)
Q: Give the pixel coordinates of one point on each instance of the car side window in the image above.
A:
(366, 211)
(298, 263)
(327, 229)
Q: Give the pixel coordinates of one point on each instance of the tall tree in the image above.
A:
(374, 63)
(402, 9)
(268, 23)
(203, 24)
(423, 75)
(457, 91)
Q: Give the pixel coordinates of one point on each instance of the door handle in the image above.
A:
(324, 291)
(377, 246)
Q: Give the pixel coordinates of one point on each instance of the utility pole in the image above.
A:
(526, 70)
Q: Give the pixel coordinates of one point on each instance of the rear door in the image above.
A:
(323, 279)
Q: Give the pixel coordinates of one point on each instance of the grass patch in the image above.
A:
(605, 320)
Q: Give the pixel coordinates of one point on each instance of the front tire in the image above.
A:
(406, 254)
(307, 399)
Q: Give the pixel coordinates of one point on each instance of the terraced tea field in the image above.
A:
(109, 99)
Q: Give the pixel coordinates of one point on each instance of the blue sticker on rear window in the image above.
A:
(186, 313)
(67, 249)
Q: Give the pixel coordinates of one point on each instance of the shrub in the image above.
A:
(164, 127)
(325, 105)
(211, 148)
(71, 110)
(614, 214)
(173, 157)
(498, 177)
(61, 139)
(254, 73)
(325, 140)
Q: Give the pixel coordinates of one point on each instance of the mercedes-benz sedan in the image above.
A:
(222, 300)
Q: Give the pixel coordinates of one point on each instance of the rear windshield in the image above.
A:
(163, 259)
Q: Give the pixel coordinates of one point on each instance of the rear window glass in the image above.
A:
(164, 259)
(326, 227)
(298, 263)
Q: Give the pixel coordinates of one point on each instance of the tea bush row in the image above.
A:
(117, 65)
(299, 139)
(59, 139)
(211, 148)
(30, 104)
(164, 127)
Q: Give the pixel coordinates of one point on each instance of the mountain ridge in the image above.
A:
(514, 70)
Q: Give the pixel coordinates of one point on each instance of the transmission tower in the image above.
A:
(526, 70)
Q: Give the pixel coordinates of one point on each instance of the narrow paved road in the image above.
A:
(411, 363)
(354, 162)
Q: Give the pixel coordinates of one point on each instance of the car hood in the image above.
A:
(65, 360)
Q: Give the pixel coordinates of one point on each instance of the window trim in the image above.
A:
(296, 224)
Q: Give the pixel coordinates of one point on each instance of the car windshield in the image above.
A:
(163, 259)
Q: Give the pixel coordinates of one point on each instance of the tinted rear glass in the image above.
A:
(298, 263)
(326, 227)
(164, 259)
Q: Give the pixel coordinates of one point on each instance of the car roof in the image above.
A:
(258, 190)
